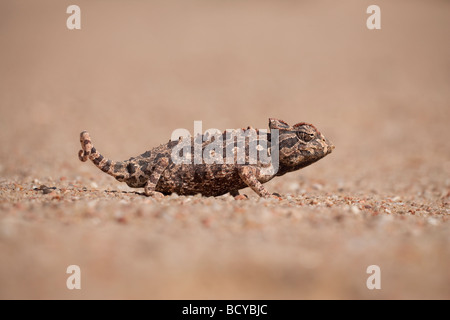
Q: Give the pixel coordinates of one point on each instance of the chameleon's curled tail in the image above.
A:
(86, 145)
(117, 169)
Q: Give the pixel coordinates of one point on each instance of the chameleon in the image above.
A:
(156, 171)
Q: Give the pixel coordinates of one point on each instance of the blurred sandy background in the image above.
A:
(136, 71)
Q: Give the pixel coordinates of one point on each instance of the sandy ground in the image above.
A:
(135, 72)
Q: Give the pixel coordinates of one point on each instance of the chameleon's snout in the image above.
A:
(329, 146)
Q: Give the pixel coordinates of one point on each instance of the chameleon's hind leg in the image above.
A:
(234, 193)
(237, 195)
(150, 186)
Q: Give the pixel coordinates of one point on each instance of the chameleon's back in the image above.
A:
(210, 167)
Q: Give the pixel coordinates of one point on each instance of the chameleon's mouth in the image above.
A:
(329, 147)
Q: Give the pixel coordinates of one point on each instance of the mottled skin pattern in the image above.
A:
(299, 146)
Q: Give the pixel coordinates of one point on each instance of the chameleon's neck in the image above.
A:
(285, 166)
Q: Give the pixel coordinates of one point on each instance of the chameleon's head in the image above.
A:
(300, 144)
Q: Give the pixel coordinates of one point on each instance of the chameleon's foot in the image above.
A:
(154, 194)
(234, 193)
(241, 197)
(276, 196)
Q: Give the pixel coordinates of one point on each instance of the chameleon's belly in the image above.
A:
(209, 180)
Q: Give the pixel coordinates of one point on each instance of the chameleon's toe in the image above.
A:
(276, 196)
(154, 194)
(241, 197)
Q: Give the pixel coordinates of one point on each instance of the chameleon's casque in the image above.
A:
(298, 146)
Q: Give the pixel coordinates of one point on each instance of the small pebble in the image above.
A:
(355, 209)
(317, 186)
(174, 196)
(294, 186)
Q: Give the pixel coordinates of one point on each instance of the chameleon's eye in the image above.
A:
(305, 136)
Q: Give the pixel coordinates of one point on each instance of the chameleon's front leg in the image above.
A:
(152, 181)
(250, 175)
